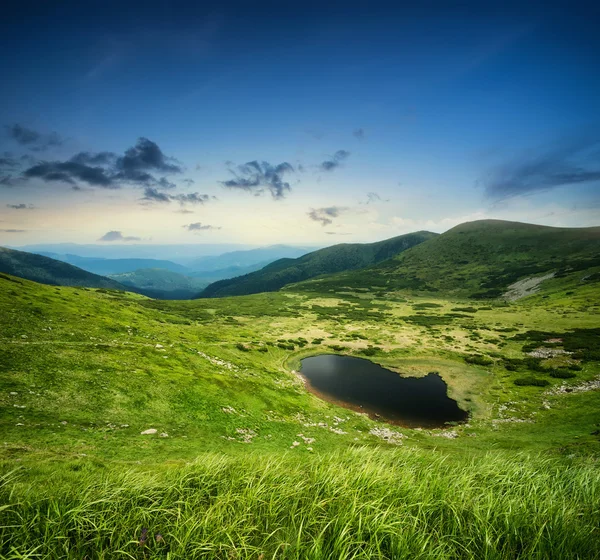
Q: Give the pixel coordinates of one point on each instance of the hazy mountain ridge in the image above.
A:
(51, 271)
(342, 257)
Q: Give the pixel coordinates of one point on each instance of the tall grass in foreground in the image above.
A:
(362, 503)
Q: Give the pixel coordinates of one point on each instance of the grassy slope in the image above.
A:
(476, 259)
(324, 261)
(520, 478)
(159, 283)
(50, 271)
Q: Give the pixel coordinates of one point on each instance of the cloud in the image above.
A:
(570, 161)
(108, 170)
(257, 176)
(372, 197)
(117, 236)
(197, 226)
(32, 139)
(21, 206)
(8, 181)
(325, 215)
(152, 194)
(70, 172)
(359, 133)
(146, 156)
(335, 161)
(13, 230)
(188, 182)
(100, 158)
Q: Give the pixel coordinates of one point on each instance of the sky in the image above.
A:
(303, 123)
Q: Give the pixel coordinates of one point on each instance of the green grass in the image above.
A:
(353, 504)
(83, 372)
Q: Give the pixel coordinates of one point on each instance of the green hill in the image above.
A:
(50, 271)
(476, 259)
(161, 284)
(343, 257)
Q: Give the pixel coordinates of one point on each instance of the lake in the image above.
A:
(364, 386)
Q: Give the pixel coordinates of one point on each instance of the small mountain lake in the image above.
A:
(365, 386)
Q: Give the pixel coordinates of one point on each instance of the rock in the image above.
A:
(149, 432)
(164, 434)
(159, 346)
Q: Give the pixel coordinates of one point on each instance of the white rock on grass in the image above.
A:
(164, 434)
(149, 432)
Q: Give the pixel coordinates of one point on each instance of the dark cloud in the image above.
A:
(13, 230)
(22, 135)
(152, 194)
(100, 158)
(32, 139)
(569, 162)
(257, 176)
(145, 156)
(21, 206)
(199, 227)
(117, 236)
(335, 161)
(188, 182)
(325, 215)
(107, 170)
(7, 181)
(373, 197)
(184, 211)
(359, 133)
(69, 172)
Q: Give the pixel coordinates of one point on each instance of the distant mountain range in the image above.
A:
(114, 266)
(50, 271)
(343, 257)
(476, 260)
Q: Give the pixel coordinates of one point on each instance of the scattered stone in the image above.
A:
(294, 444)
(387, 435)
(592, 385)
(14, 393)
(449, 434)
(164, 434)
(124, 425)
(149, 432)
(64, 422)
(229, 410)
(19, 405)
(547, 352)
(20, 424)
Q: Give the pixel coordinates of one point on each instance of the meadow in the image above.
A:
(244, 462)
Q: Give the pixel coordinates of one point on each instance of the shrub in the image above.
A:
(242, 347)
(531, 381)
(479, 360)
(562, 374)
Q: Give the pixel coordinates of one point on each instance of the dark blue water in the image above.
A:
(365, 386)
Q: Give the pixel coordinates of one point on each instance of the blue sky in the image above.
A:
(365, 120)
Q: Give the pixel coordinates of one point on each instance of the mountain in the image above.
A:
(343, 257)
(51, 271)
(161, 284)
(107, 267)
(252, 257)
(476, 259)
(179, 253)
